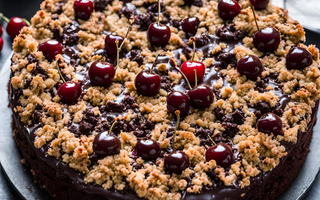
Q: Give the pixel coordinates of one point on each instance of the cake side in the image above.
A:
(64, 133)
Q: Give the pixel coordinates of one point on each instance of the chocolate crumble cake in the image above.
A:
(185, 99)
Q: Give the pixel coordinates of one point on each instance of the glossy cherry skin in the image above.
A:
(221, 153)
(201, 96)
(259, 4)
(83, 9)
(106, 145)
(176, 162)
(50, 49)
(110, 44)
(148, 84)
(250, 66)
(1, 44)
(69, 92)
(148, 149)
(228, 9)
(158, 34)
(1, 31)
(188, 68)
(178, 101)
(267, 39)
(101, 73)
(14, 26)
(190, 26)
(269, 123)
(298, 58)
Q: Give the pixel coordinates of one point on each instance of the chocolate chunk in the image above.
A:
(36, 117)
(226, 59)
(100, 5)
(39, 70)
(31, 59)
(202, 39)
(85, 128)
(231, 129)
(229, 33)
(261, 109)
(135, 56)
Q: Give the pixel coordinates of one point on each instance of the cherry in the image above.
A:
(270, 123)
(147, 83)
(148, 149)
(178, 101)
(15, 25)
(188, 67)
(201, 96)
(267, 39)
(250, 66)
(69, 92)
(1, 31)
(1, 44)
(83, 9)
(298, 58)
(105, 144)
(221, 153)
(259, 4)
(110, 43)
(176, 161)
(101, 73)
(158, 34)
(228, 9)
(190, 26)
(50, 49)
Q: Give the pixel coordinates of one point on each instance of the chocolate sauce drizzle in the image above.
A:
(206, 44)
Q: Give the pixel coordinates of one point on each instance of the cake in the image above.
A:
(115, 100)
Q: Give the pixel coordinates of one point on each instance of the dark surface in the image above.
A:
(27, 9)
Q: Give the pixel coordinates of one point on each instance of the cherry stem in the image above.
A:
(194, 48)
(60, 72)
(118, 52)
(26, 21)
(159, 7)
(195, 78)
(4, 18)
(212, 140)
(154, 63)
(177, 112)
(184, 76)
(255, 18)
(112, 126)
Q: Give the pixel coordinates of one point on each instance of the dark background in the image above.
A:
(26, 9)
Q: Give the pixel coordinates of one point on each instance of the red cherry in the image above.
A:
(83, 9)
(101, 73)
(148, 84)
(50, 49)
(259, 4)
(190, 26)
(106, 145)
(250, 66)
(221, 153)
(269, 123)
(148, 149)
(110, 44)
(176, 162)
(1, 31)
(188, 69)
(228, 9)
(69, 92)
(201, 96)
(14, 26)
(267, 39)
(178, 101)
(158, 34)
(298, 58)
(1, 43)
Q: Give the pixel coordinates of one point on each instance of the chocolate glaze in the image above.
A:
(205, 43)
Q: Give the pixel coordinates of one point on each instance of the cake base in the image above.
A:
(265, 186)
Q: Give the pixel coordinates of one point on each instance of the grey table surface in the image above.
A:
(27, 9)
